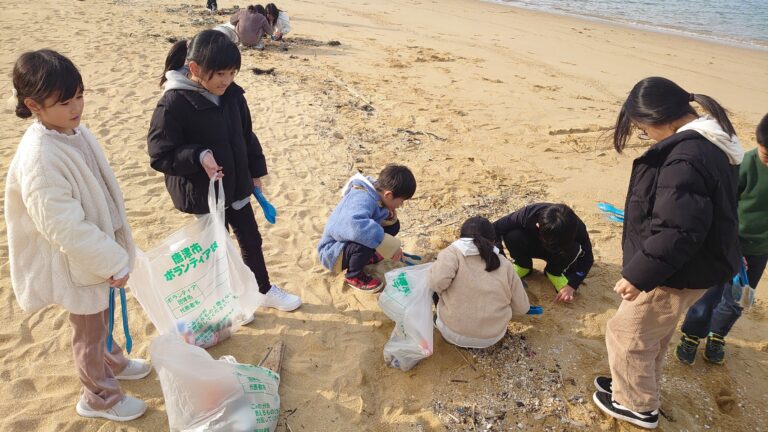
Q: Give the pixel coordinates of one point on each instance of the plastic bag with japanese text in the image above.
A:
(195, 283)
(407, 299)
(202, 394)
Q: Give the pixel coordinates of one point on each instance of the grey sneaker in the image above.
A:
(136, 369)
(129, 408)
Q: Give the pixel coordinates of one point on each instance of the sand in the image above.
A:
(492, 107)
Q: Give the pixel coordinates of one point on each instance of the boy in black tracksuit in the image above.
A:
(553, 233)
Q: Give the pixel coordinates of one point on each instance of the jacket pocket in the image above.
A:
(81, 277)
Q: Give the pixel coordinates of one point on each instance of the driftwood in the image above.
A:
(273, 359)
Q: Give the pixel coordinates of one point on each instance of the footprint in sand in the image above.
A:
(726, 401)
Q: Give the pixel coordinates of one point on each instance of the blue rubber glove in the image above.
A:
(408, 259)
(610, 208)
(535, 310)
(269, 210)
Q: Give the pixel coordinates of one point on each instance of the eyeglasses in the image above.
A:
(643, 135)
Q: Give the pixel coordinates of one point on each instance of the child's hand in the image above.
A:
(211, 167)
(566, 294)
(626, 290)
(258, 183)
(398, 255)
(118, 283)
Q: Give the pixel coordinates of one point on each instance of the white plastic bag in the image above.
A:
(202, 394)
(195, 284)
(407, 299)
(743, 294)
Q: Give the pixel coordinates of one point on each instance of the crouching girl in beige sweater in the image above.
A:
(478, 289)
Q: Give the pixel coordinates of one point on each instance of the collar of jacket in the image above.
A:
(662, 148)
(200, 102)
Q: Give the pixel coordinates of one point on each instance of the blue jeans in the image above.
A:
(717, 311)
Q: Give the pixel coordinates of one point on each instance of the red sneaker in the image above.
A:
(365, 283)
(376, 258)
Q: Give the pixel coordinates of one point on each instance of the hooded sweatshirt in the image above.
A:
(178, 80)
(475, 305)
(357, 218)
(710, 129)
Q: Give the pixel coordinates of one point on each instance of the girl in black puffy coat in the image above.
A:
(680, 235)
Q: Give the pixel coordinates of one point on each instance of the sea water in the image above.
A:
(739, 22)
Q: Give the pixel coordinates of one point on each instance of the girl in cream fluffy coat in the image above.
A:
(68, 236)
(479, 290)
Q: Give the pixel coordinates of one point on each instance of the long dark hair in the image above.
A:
(658, 101)
(274, 11)
(211, 49)
(481, 231)
(41, 74)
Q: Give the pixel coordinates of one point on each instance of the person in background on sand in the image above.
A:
(201, 129)
(717, 311)
(680, 236)
(212, 5)
(68, 235)
(478, 290)
(362, 228)
(279, 21)
(251, 24)
(553, 233)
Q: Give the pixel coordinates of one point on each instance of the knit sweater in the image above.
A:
(357, 218)
(473, 302)
(63, 245)
(753, 205)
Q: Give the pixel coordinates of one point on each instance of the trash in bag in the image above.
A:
(743, 294)
(202, 394)
(194, 283)
(407, 300)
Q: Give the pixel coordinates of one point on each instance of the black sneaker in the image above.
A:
(604, 401)
(686, 349)
(603, 384)
(714, 351)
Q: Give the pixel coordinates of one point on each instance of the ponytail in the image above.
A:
(715, 110)
(481, 231)
(175, 59)
(487, 253)
(658, 101)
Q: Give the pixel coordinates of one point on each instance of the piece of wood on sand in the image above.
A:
(273, 359)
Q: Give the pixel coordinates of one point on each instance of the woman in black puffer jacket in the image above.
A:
(680, 236)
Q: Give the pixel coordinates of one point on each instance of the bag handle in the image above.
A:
(215, 204)
(124, 307)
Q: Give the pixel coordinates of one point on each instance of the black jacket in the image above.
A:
(185, 124)
(681, 225)
(526, 219)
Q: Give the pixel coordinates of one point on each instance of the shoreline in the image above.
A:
(492, 108)
(724, 40)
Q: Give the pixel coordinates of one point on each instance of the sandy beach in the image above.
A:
(492, 108)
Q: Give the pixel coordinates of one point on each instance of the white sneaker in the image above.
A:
(136, 369)
(244, 319)
(281, 300)
(129, 408)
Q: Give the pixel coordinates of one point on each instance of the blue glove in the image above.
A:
(269, 210)
(610, 208)
(535, 310)
(410, 258)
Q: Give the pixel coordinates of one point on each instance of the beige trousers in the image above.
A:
(95, 366)
(637, 338)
